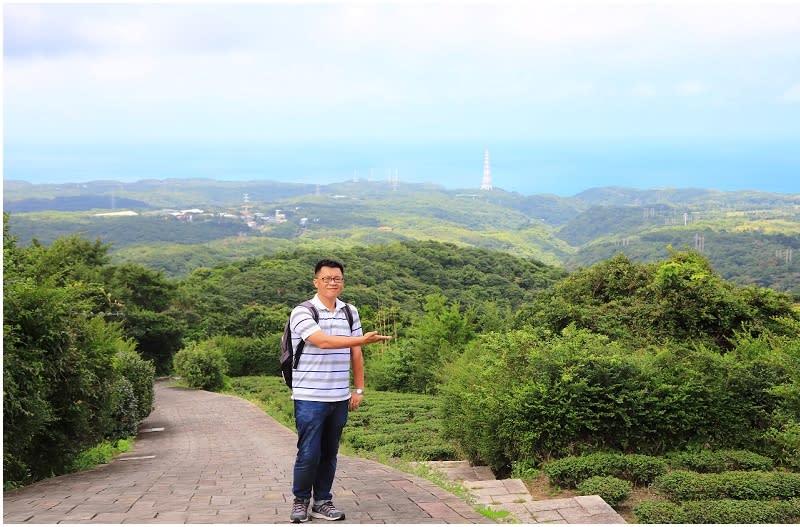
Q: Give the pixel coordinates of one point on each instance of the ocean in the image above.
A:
(563, 168)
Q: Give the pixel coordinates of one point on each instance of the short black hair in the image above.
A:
(328, 263)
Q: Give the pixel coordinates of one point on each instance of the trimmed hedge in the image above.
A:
(636, 468)
(613, 490)
(720, 461)
(682, 485)
(719, 511)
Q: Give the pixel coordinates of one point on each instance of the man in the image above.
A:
(321, 389)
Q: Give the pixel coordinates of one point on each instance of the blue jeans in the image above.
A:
(319, 429)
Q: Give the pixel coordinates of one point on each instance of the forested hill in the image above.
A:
(749, 237)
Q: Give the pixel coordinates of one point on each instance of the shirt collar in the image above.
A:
(317, 302)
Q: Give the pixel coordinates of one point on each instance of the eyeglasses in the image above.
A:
(334, 279)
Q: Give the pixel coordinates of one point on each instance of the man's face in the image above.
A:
(329, 281)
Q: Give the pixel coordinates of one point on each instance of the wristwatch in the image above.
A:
(359, 391)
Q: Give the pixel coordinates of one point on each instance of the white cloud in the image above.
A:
(792, 94)
(644, 90)
(442, 59)
(690, 88)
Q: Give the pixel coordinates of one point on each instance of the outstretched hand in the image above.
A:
(373, 336)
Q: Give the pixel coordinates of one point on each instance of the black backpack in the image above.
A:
(290, 357)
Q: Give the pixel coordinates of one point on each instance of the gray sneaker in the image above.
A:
(327, 511)
(299, 511)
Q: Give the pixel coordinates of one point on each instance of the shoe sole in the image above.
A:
(297, 520)
(323, 517)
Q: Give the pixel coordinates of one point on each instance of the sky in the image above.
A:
(565, 94)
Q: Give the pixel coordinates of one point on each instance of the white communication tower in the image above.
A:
(486, 184)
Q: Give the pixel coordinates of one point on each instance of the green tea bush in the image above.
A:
(387, 423)
(718, 511)
(720, 461)
(270, 393)
(636, 468)
(201, 366)
(681, 485)
(742, 511)
(659, 512)
(613, 490)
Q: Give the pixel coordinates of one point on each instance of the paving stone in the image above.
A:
(551, 515)
(544, 505)
(594, 505)
(220, 459)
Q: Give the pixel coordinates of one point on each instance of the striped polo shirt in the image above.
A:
(322, 374)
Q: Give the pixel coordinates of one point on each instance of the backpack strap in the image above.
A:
(315, 314)
(349, 314)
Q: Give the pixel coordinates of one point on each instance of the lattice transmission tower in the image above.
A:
(486, 184)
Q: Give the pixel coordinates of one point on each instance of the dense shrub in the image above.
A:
(57, 378)
(680, 299)
(201, 366)
(681, 485)
(613, 490)
(391, 366)
(249, 355)
(141, 375)
(579, 392)
(784, 443)
(125, 408)
(719, 460)
(132, 392)
(636, 468)
(70, 379)
(718, 511)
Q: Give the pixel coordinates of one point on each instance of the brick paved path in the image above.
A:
(208, 458)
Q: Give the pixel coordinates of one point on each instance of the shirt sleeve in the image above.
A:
(302, 323)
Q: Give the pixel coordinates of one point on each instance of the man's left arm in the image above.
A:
(357, 363)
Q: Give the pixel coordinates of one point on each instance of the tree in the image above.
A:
(159, 336)
(437, 337)
(138, 286)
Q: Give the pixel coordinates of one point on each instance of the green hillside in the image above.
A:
(750, 237)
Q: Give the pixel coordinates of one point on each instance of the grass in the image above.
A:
(100, 454)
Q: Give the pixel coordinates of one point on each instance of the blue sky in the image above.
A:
(353, 73)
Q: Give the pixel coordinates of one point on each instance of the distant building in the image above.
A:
(186, 214)
(118, 213)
